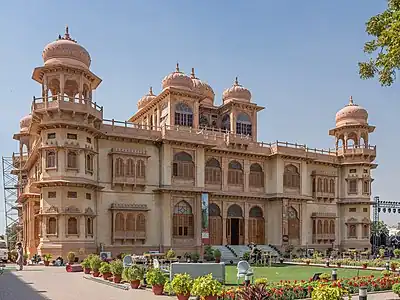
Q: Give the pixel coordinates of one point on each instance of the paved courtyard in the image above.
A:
(41, 283)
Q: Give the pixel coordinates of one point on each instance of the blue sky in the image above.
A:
(298, 58)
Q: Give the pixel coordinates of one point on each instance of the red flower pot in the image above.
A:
(46, 263)
(87, 270)
(211, 297)
(135, 284)
(183, 297)
(96, 274)
(106, 275)
(218, 260)
(157, 289)
(364, 266)
(117, 278)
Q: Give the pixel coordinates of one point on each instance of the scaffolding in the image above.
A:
(10, 187)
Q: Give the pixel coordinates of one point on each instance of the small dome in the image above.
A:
(25, 122)
(236, 92)
(66, 51)
(177, 79)
(203, 89)
(146, 99)
(352, 114)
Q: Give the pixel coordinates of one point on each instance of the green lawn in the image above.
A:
(293, 272)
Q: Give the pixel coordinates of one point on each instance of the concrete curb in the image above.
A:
(106, 282)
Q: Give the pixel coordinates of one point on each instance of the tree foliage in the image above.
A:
(379, 228)
(384, 47)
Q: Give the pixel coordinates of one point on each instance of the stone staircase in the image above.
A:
(269, 248)
(226, 254)
(239, 250)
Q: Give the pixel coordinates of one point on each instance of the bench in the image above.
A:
(199, 269)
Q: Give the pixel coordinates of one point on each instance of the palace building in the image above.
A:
(88, 183)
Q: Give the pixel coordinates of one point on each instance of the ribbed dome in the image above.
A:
(352, 114)
(25, 122)
(236, 92)
(203, 89)
(146, 99)
(66, 51)
(177, 79)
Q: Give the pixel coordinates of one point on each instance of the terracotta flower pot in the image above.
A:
(117, 278)
(157, 289)
(87, 270)
(46, 263)
(211, 297)
(218, 260)
(364, 266)
(183, 297)
(96, 274)
(106, 275)
(135, 284)
(339, 265)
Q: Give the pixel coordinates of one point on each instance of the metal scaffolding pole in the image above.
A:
(10, 188)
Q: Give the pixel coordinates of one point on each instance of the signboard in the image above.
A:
(285, 238)
(205, 235)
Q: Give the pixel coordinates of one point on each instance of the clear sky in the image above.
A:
(298, 58)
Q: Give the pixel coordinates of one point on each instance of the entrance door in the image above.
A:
(215, 230)
(235, 231)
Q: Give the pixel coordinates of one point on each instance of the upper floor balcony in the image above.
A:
(357, 150)
(18, 160)
(59, 102)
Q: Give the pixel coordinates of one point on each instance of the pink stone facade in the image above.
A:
(131, 186)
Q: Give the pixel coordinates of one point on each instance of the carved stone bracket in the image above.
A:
(127, 206)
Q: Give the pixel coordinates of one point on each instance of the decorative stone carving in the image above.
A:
(52, 210)
(71, 209)
(127, 206)
(89, 211)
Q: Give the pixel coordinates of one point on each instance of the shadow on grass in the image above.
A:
(13, 288)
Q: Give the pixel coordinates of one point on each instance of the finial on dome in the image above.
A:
(236, 81)
(192, 74)
(351, 100)
(177, 67)
(151, 91)
(66, 35)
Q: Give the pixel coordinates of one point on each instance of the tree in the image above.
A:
(384, 46)
(379, 228)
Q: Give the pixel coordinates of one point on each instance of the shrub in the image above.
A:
(195, 257)
(382, 253)
(181, 284)
(208, 253)
(324, 276)
(133, 273)
(396, 289)
(325, 292)
(47, 257)
(71, 257)
(246, 256)
(262, 281)
(95, 263)
(396, 252)
(386, 273)
(171, 254)
(105, 268)
(85, 263)
(117, 267)
(206, 286)
(155, 277)
(217, 253)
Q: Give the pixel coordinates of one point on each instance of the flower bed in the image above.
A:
(374, 263)
(287, 290)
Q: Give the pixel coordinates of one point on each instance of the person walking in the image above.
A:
(20, 258)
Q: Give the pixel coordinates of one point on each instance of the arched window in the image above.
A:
(291, 177)
(183, 165)
(140, 169)
(243, 124)
(313, 185)
(319, 227)
(293, 223)
(52, 226)
(256, 212)
(130, 167)
(332, 186)
(256, 225)
(72, 161)
(332, 227)
(226, 123)
(256, 177)
(366, 187)
(213, 171)
(130, 222)
(119, 167)
(235, 173)
(326, 227)
(235, 211)
(183, 220)
(352, 233)
(214, 210)
(89, 162)
(183, 115)
(325, 185)
(140, 223)
(365, 231)
(119, 222)
(50, 159)
(89, 226)
(319, 189)
(72, 225)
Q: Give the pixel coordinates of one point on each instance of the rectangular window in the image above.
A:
(365, 209)
(88, 196)
(88, 140)
(72, 136)
(366, 187)
(352, 209)
(51, 194)
(51, 136)
(365, 171)
(353, 171)
(352, 186)
(72, 194)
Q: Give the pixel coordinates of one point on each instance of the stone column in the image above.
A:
(200, 166)
(223, 215)
(158, 116)
(196, 115)
(166, 170)
(62, 83)
(254, 127)
(224, 173)
(285, 222)
(246, 224)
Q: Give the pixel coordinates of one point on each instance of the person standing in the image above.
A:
(20, 257)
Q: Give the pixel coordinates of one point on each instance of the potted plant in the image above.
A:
(95, 264)
(170, 255)
(156, 279)
(46, 259)
(195, 257)
(105, 270)
(246, 256)
(364, 265)
(133, 274)
(117, 267)
(86, 265)
(396, 289)
(26, 256)
(181, 285)
(308, 261)
(396, 252)
(206, 287)
(217, 256)
(71, 257)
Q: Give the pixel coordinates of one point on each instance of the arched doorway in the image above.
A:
(256, 226)
(235, 225)
(294, 226)
(215, 224)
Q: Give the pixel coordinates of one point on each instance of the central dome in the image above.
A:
(177, 79)
(203, 89)
(236, 92)
(351, 114)
(66, 51)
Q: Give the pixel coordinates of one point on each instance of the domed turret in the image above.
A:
(66, 51)
(351, 114)
(177, 79)
(203, 89)
(24, 123)
(236, 92)
(146, 99)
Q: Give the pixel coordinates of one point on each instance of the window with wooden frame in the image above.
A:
(235, 173)
(130, 167)
(319, 189)
(332, 227)
(72, 136)
(89, 163)
(51, 194)
(326, 186)
(332, 186)
(72, 226)
(352, 231)
(51, 135)
(51, 159)
(366, 187)
(291, 177)
(213, 171)
(72, 160)
(119, 167)
(243, 124)
(140, 169)
(71, 194)
(88, 196)
(51, 225)
(89, 226)
(140, 223)
(183, 166)
(352, 186)
(365, 231)
(183, 115)
(183, 225)
(256, 176)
